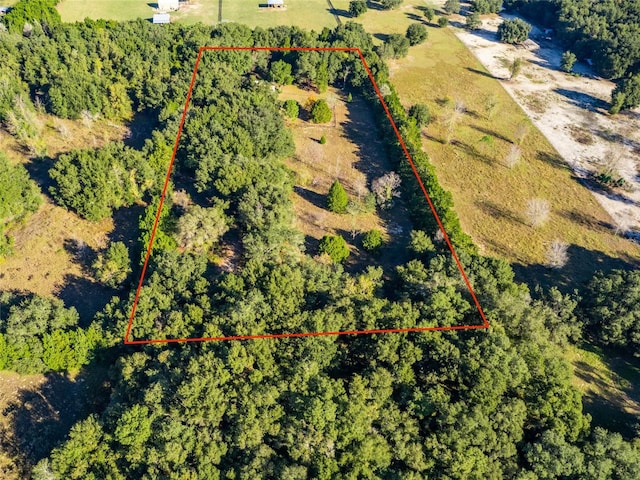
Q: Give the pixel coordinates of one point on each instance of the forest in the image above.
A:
(459, 405)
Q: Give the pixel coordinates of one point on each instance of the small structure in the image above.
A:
(275, 3)
(161, 18)
(168, 5)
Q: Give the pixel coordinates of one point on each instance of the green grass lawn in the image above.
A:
(307, 14)
(78, 10)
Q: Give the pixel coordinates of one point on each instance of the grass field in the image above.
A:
(355, 156)
(78, 10)
(490, 198)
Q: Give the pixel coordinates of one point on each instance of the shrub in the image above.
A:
(337, 199)
(390, 4)
(357, 7)
(443, 22)
(323, 140)
(473, 21)
(538, 210)
(568, 61)
(291, 108)
(451, 6)
(386, 188)
(429, 13)
(420, 242)
(114, 266)
(416, 33)
(320, 112)
(420, 112)
(557, 254)
(335, 246)
(514, 31)
(372, 240)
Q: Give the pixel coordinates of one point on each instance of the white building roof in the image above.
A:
(161, 18)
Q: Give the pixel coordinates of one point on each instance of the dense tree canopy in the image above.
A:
(514, 31)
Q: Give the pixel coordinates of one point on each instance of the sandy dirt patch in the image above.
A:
(571, 111)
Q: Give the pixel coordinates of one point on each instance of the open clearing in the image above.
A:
(53, 246)
(355, 156)
(490, 198)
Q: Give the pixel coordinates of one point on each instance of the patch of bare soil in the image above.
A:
(571, 111)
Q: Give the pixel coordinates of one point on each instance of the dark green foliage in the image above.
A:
(390, 4)
(113, 266)
(39, 335)
(357, 7)
(420, 112)
(280, 73)
(473, 21)
(372, 240)
(567, 61)
(320, 112)
(421, 242)
(19, 197)
(32, 11)
(337, 198)
(323, 140)
(335, 246)
(626, 95)
(291, 108)
(395, 46)
(429, 13)
(486, 6)
(443, 22)
(451, 6)
(416, 33)
(199, 229)
(514, 31)
(611, 308)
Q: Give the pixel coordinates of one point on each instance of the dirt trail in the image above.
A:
(571, 111)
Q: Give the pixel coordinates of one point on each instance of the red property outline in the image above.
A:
(485, 323)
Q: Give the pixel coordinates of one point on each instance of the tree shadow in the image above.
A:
(594, 186)
(125, 221)
(81, 253)
(583, 100)
(497, 211)
(381, 36)
(483, 33)
(86, 296)
(472, 151)
(553, 159)
(312, 197)
(615, 137)
(416, 18)
(38, 170)
(492, 133)
(432, 138)
(374, 5)
(40, 418)
(580, 268)
(587, 221)
(140, 128)
(483, 73)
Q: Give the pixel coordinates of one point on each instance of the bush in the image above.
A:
(395, 46)
(114, 266)
(626, 95)
(568, 61)
(291, 108)
(473, 21)
(514, 31)
(443, 22)
(416, 33)
(323, 140)
(487, 6)
(320, 112)
(337, 198)
(420, 112)
(357, 7)
(390, 4)
(429, 13)
(451, 6)
(372, 240)
(335, 246)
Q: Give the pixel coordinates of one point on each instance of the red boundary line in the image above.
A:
(485, 323)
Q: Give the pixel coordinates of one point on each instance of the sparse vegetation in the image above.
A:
(558, 254)
(386, 188)
(537, 213)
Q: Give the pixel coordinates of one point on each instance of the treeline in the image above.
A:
(605, 31)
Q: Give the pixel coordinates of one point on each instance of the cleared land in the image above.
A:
(490, 198)
(353, 155)
(54, 246)
(78, 10)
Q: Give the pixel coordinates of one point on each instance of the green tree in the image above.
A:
(335, 246)
(443, 22)
(395, 46)
(429, 13)
(357, 7)
(320, 112)
(200, 228)
(568, 61)
(514, 31)
(390, 4)
(416, 33)
(291, 108)
(113, 266)
(626, 94)
(473, 21)
(421, 242)
(420, 112)
(487, 6)
(280, 73)
(452, 6)
(337, 198)
(372, 240)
